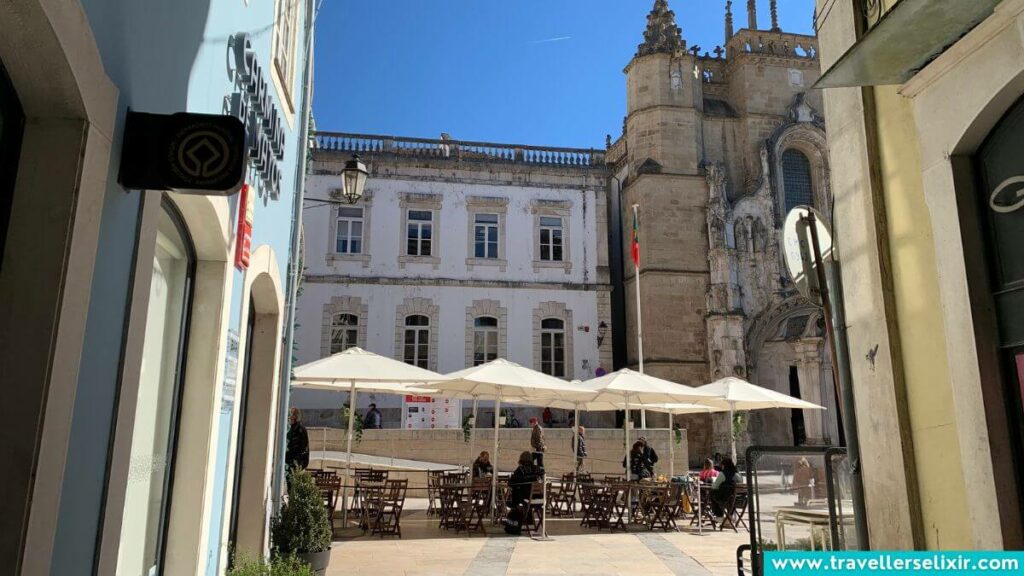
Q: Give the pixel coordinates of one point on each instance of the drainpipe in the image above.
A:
(292, 282)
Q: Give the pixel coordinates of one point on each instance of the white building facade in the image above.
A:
(457, 254)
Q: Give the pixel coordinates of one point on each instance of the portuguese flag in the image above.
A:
(635, 248)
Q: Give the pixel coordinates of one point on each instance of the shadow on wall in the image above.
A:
(149, 50)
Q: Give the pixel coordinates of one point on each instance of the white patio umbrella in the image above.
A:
(629, 386)
(355, 370)
(576, 406)
(672, 410)
(501, 377)
(737, 394)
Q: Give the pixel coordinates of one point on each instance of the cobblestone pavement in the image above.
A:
(427, 550)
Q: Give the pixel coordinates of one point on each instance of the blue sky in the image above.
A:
(546, 72)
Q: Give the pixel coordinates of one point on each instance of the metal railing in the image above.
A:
(457, 150)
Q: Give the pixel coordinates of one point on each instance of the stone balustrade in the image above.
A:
(770, 43)
(458, 150)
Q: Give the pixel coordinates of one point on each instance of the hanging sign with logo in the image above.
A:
(243, 232)
(252, 104)
(1009, 196)
(183, 152)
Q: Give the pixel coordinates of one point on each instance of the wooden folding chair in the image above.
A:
(433, 482)
(660, 509)
(562, 501)
(703, 513)
(615, 505)
(533, 511)
(389, 508)
(475, 508)
(735, 508)
(590, 505)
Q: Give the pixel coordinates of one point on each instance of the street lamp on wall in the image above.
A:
(353, 179)
(602, 330)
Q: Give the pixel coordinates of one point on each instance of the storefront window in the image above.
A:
(12, 123)
(155, 429)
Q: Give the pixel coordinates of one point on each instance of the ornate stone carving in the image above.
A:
(801, 111)
(662, 34)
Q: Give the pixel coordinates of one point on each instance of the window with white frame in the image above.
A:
(286, 19)
(485, 236)
(349, 235)
(485, 340)
(419, 233)
(417, 341)
(551, 238)
(344, 332)
(552, 347)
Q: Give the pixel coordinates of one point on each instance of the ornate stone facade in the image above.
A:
(715, 150)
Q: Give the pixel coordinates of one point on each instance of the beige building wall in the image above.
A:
(901, 161)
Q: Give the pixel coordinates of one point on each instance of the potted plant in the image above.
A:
(303, 528)
(278, 566)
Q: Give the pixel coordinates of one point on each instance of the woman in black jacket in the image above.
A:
(520, 487)
(482, 465)
(639, 465)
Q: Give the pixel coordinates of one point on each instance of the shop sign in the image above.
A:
(243, 232)
(252, 104)
(183, 152)
(1007, 203)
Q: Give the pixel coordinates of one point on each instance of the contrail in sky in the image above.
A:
(546, 40)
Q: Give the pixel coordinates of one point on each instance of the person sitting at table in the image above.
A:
(482, 465)
(650, 455)
(639, 465)
(520, 488)
(708, 473)
(724, 486)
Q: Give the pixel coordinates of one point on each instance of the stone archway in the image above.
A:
(787, 353)
(69, 103)
(253, 450)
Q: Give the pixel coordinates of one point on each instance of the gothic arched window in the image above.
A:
(796, 180)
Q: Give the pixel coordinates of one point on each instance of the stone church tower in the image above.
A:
(716, 148)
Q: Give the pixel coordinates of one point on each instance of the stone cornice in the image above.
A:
(453, 283)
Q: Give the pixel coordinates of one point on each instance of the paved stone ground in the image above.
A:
(427, 550)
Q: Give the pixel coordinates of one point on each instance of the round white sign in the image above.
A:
(798, 249)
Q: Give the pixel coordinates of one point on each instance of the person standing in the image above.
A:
(581, 449)
(650, 456)
(373, 419)
(547, 417)
(537, 443)
(297, 453)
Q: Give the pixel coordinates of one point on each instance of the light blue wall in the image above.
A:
(164, 56)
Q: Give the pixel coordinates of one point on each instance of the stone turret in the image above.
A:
(663, 98)
(752, 14)
(728, 22)
(662, 34)
(664, 149)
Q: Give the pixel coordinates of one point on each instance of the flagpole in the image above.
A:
(639, 316)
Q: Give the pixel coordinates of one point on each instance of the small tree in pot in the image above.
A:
(303, 528)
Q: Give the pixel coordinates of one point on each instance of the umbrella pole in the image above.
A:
(576, 439)
(671, 448)
(732, 410)
(348, 450)
(472, 432)
(625, 429)
(494, 475)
